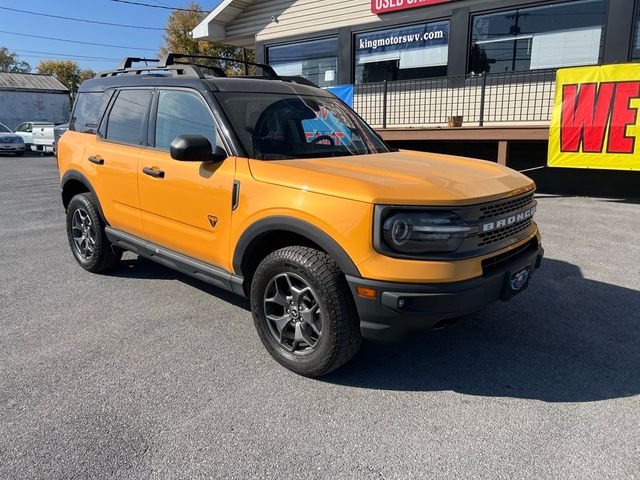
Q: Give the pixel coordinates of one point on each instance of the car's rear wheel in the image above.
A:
(87, 239)
(304, 312)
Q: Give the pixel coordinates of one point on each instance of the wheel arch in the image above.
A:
(266, 235)
(74, 183)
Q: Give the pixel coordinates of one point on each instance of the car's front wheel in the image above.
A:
(304, 312)
(87, 239)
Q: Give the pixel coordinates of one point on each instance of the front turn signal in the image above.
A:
(366, 292)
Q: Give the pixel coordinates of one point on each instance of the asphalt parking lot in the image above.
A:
(147, 374)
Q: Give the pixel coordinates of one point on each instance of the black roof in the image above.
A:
(214, 84)
(169, 72)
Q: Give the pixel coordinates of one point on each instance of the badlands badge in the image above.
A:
(520, 279)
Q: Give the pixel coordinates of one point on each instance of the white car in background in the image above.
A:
(37, 136)
(10, 142)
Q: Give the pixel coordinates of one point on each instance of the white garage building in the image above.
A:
(29, 97)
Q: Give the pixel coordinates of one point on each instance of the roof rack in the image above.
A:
(170, 59)
(169, 64)
(129, 61)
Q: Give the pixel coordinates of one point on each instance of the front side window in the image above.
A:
(552, 36)
(182, 113)
(127, 116)
(418, 51)
(316, 60)
(283, 126)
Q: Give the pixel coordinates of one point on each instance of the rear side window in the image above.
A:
(182, 113)
(127, 117)
(86, 113)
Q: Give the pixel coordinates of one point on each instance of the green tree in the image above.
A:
(178, 39)
(9, 62)
(66, 71)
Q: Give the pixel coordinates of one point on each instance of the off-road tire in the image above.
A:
(340, 338)
(105, 256)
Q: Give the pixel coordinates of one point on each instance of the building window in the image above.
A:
(635, 49)
(552, 36)
(418, 51)
(316, 60)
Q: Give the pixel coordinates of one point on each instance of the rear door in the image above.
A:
(186, 206)
(114, 154)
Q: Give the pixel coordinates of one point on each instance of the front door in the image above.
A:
(186, 206)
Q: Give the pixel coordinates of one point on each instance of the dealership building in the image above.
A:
(420, 67)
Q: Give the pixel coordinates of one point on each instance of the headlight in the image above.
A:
(420, 232)
(18, 140)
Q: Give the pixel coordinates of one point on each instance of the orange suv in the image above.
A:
(276, 190)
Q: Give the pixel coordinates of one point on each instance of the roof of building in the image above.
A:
(213, 26)
(30, 82)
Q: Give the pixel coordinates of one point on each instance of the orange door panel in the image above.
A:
(116, 182)
(186, 206)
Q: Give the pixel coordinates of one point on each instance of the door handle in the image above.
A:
(152, 172)
(98, 160)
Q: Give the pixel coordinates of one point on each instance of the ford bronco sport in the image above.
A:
(276, 190)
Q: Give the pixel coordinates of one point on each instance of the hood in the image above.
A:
(405, 178)
(9, 136)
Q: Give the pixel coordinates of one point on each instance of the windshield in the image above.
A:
(4, 129)
(279, 126)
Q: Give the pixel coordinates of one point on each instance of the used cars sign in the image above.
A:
(384, 6)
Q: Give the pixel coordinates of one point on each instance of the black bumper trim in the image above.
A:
(401, 307)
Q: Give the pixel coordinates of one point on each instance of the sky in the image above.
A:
(128, 42)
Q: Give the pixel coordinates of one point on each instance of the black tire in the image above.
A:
(103, 256)
(19, 154)
(337, 316)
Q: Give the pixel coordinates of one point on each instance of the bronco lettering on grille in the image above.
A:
(507, 221)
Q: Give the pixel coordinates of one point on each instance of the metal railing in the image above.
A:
(515, 97)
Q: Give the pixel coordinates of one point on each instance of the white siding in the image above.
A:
(17, 107)
(298, 17)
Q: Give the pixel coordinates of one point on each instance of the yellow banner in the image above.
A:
(595, 122)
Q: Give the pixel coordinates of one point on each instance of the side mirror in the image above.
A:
(195, 148)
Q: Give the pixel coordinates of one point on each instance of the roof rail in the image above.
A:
(170, 59)
(187, 70)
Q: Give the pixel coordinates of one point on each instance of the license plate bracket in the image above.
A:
(516, 282)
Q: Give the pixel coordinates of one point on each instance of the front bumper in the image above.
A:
(12, 147)
(401, 307)
(42, 148)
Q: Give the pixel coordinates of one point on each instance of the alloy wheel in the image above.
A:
(83, 233)
(293, 312)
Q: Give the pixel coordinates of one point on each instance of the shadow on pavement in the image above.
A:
(143, 268)
(567, 339)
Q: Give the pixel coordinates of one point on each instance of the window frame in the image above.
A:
(489, 11)
(102, 130)
(298, 41)
(394, 25)
(221, 140)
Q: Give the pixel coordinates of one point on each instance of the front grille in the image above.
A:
(503, 233)
(503, 208)
(490, 265)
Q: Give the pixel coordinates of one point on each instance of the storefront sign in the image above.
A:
(384, 6)
(595, 118)
(419, 36)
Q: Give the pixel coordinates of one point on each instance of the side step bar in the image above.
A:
(187, 265)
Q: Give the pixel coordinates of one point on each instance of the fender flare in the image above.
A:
(79, 177)
(300, 227)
